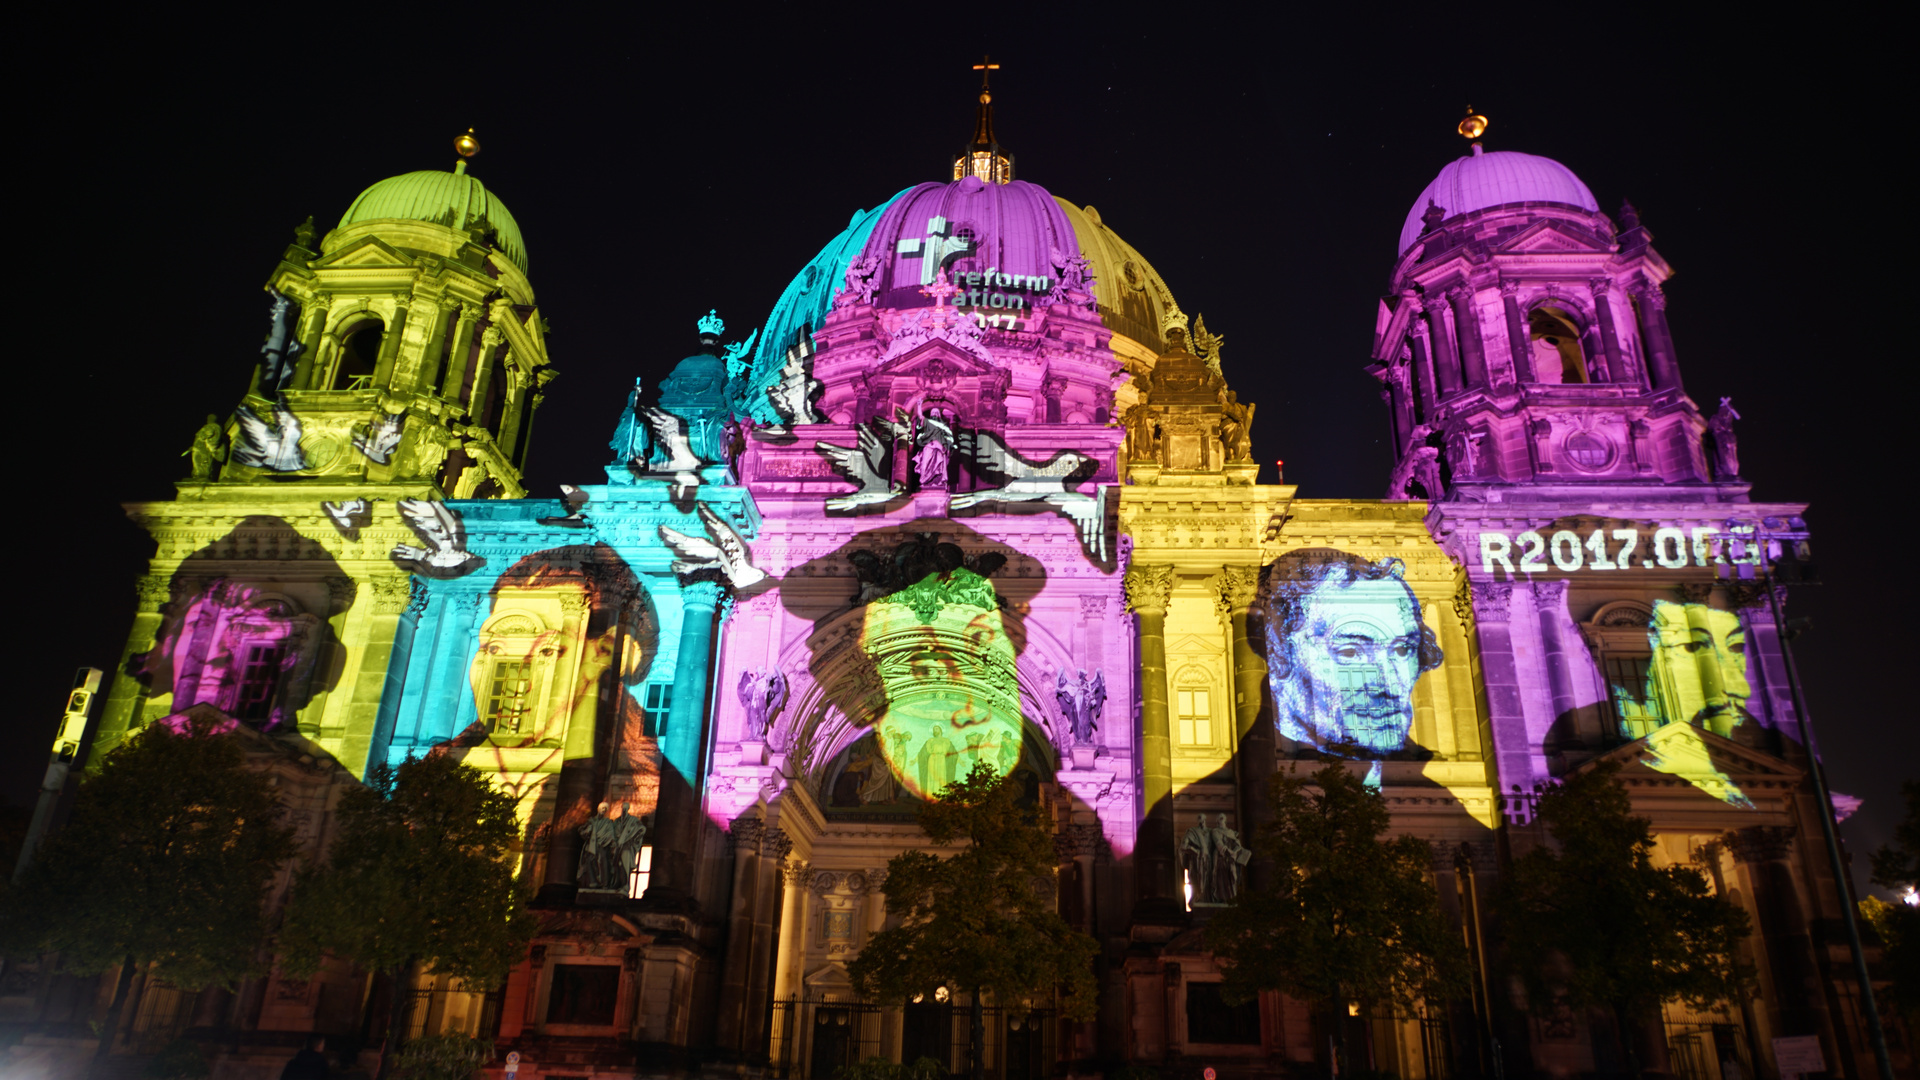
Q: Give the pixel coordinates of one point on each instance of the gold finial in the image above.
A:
(1473, 125)
(466, 145)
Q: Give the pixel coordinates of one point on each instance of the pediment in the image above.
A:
(921, 358)
(367, 251)
(1549, 238)
(1193, 643)
(1727, 756)
(831, 975)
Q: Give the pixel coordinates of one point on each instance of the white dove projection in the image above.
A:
(274, 446)
(721, 549)
(349, 515)
(382, 436)
(670, 438)
(865, 465)
(446, 555)
(1051, 483)
(572, 498)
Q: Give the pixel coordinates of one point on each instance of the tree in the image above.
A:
(1591, 921)
(982, 919)
(1897, 867)
(163, 867)
(1349, 916)
(416, 877)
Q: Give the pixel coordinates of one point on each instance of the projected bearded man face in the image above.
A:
(946, 667)
(1700, 664)
(1345, 646)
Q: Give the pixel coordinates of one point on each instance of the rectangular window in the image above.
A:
(583, 994)
(509, 695)
(259, 678)
(642, 873)
(659, 699)
(1195, 711)
(1211, 1020)
(1635, 704)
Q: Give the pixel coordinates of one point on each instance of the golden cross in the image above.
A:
(985, 65)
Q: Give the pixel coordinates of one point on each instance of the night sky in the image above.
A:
(658, 169)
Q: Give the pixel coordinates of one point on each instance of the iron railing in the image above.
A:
(811, 1039)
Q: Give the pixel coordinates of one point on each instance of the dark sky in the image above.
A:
(658, 169)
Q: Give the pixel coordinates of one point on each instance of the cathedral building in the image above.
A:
(978, 490)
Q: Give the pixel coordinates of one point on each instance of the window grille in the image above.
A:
(509, 694)
(259, 678)
(1195, 708)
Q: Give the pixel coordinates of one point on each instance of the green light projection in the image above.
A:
(946, 669)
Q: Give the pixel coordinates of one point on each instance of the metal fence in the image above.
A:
(813, 1040)
(1708, 1051)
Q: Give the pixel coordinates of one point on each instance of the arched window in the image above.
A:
(359, 354)
(1557, 356)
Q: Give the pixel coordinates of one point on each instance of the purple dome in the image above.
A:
(1481, 180)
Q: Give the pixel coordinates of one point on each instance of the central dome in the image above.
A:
(999, 244)
(1481, 180)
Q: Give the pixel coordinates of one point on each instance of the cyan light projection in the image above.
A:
(1345, 646)
(946, 667)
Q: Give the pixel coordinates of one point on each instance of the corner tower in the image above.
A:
(403, 361)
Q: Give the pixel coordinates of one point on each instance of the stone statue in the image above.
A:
(282, 350)
(1196, 858)
(629, 836)
(205, 450)
(1230, 858)
(1143, 442)
(1726, 448)
(931, 463)
(630, 445)
(860, 284)
(763, 692)
(599, 851)
(1236, 428)
(1081, 695)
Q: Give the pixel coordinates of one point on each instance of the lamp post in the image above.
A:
(1792, 542)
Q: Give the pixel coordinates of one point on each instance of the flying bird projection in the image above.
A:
(670, 439)
(721, 549)
(572, 498)
(349, 516)
(446, 555)
(274, 444)
(382, 436)
(865, 464)
(1026, 481)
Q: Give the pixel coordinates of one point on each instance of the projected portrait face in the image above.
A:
(946, 669)
(1345, 646)
(534, 668)
(1700, 665)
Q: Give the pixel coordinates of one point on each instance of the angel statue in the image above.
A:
(763, 693)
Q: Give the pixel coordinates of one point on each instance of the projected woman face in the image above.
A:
(938, 724)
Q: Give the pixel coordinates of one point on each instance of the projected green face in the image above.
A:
(1700, 665)
(946, 669)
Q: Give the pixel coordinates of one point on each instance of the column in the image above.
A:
(457, 353)
(680, 745)
(314, 314)
(1654, 334)
(1446, 360)
(1506, 709)
(730, 1027)
(1254, 757)
(1466, 324)
(1423, 366)
(767, 883)
(793, 940)
(1519, 337)
(1609, 334)
(1156, 880)
(1549, 600)
(390, 344)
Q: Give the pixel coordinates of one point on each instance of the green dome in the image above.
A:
(453, 199)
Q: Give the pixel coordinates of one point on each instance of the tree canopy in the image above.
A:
(1349, 916)
(417, 874)
(1896, 866)
(1592, 918)
(983, 918)
(166, 861)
